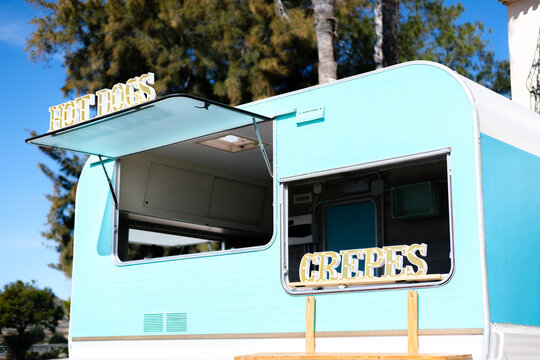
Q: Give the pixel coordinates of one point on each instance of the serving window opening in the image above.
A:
(206, 195)
(379, 227)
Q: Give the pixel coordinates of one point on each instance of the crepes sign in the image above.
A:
(346, 265)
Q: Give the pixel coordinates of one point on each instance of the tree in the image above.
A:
(378, 50)
(386, 16)
(427, 30)
(236, 51)
(23, 309)
(227, 50)
(58, 339)
(326, 28)
(61, 216)
(390, 46)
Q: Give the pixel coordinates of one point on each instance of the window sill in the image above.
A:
(377, 280)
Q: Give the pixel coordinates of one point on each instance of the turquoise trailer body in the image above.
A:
(511, 199)
(409, 115)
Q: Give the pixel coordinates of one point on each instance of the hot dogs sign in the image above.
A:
(345, 265)
(121, 96)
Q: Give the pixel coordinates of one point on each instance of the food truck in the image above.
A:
(202, 230)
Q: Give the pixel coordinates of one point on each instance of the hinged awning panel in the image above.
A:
(162, 122)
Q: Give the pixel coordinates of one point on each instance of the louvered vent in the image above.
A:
(153, 322)
(176, 322)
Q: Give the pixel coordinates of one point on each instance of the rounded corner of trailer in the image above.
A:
(420, 63)
(443, 68)
(428, 63)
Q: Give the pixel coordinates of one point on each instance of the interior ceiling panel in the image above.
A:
(249, 162)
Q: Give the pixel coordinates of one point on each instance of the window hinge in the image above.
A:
(109, 181)
(263, 151)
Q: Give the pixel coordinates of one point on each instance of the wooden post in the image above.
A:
(310, 324)
(412, 321)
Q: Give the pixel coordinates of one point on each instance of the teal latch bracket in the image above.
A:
(309, 117)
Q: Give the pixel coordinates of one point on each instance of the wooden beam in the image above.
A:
(287, 335)
(351, 356)
(412, 321)
(310, 324)
(377, 280)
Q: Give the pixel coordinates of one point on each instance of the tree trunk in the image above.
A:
(280, 9)
(378, 51)
(325, 27)
(390, 46)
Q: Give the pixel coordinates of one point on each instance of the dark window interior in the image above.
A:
(398, 204)
(193, 240)
(192, 197)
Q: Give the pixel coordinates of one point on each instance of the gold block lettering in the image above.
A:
(103, 102)
(305, 267)
(130, 97)
(55, 118)
(328, 263)
(350, 266)
(83, 107)
(117, 97)
(68, 112)
(394, 262)
(374, 259)
(420, 263)
(147, 93)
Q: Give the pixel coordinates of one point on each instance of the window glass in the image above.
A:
(383, 226)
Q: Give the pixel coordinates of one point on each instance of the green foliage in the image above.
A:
(355, 38)
(227, 50)
(67, 307)
(238, 51)
(24, 309)
(233, 51)
(36, 334)
(501, 81)
(61, 216)
(428, 30)
(17, 347)
(57, 353)
(58, 339)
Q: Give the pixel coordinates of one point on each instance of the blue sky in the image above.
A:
(27, 92)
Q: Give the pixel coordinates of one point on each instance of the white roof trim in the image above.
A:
(506, 120)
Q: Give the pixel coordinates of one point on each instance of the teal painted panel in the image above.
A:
(398, 112)
(112, 300)
(104, 240)
(415, 107)
(350, 226)
(511, 186)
